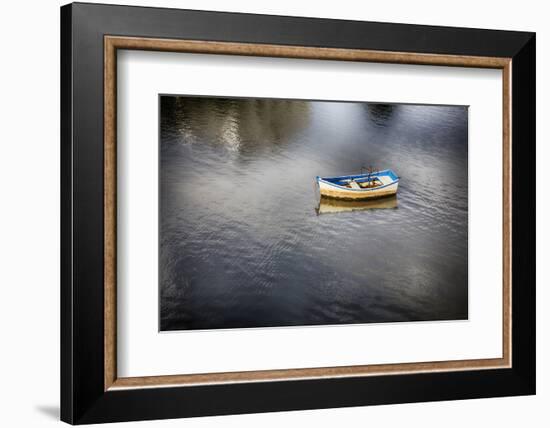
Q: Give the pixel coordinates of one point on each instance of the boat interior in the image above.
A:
(363, 184)
(364, 181)
(367, 182)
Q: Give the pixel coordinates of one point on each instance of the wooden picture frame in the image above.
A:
(91, 390)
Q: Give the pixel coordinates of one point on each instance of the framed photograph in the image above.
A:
(266, 213)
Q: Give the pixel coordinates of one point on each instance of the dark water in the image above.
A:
(244, 242)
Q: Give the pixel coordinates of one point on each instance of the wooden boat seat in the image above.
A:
(385, 179)
(354, 185)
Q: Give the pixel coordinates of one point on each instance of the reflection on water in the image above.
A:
(241, 241)
(331, 205)
(380, 114)
(246, 127)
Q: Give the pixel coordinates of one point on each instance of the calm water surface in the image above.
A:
(244, 241)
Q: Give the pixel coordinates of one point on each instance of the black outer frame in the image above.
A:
(83, 399)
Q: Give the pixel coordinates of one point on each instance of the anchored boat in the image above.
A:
(374, 184)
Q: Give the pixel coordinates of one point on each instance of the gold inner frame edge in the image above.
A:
(113, 43)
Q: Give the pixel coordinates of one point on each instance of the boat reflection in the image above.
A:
(331, 205)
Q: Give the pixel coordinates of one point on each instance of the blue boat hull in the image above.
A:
(359, 186)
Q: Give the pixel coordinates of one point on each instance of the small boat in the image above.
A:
(332, 205)
(374, 184)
